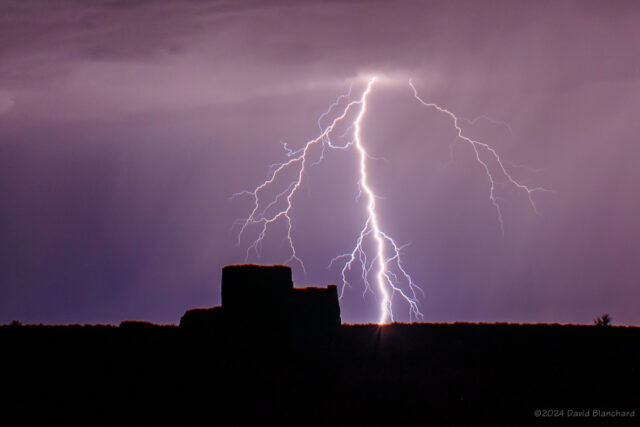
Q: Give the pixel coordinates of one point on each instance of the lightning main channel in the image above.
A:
(381, 269)
(385, 278)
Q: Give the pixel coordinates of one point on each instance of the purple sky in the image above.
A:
(126, 126)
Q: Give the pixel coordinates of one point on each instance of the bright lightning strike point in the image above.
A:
(385, 263)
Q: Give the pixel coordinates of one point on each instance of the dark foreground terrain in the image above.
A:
(421, 374)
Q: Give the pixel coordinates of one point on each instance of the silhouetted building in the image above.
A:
(258, 294)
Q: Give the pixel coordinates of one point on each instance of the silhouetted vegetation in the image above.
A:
(604, 320)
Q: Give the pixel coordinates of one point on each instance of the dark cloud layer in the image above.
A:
(126, 126)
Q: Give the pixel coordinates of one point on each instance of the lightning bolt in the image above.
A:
(479, 147)
(390, 278)
(385, 278)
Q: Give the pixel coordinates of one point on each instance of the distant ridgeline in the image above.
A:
(258, 294)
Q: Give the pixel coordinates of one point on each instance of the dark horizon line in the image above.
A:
(17, 323)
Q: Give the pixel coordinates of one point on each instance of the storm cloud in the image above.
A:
(125, 127)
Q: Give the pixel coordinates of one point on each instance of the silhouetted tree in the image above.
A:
(604, 320)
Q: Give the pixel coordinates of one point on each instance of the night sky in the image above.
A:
(125, 127)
